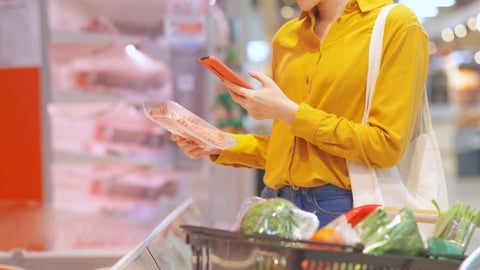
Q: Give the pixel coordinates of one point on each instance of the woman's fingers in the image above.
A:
(236, 89)
(189, 147)
(261, 77)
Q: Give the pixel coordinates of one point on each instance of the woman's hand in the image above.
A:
(192, 149)
(267, 102)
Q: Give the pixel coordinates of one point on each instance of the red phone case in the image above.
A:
(222, 71)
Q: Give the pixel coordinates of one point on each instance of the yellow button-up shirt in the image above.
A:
(327, 79)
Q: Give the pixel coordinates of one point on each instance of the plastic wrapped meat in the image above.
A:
(179, 120)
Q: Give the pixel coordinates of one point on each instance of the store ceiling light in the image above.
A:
(444, 3)
(472, 23)
(287, 12)
(423, 9)
(130, 49)
(460, 30)
(138, 57)
(478, 21)
(476, 57)
(258, 51)
(448, 35)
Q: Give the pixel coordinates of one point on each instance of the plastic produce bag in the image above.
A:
(454, 230)
(338, 231)
(382, 234)
(275, 217)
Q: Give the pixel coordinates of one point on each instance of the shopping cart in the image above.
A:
(472, 262)
(215, 249)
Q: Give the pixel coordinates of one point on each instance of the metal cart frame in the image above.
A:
(215, 249)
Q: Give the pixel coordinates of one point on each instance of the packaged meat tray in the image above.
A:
(178, 120)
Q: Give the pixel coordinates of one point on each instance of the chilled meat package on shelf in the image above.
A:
(179, 120)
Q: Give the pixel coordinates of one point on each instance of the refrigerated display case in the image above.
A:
(105, 175)
(109, 162)
(92, 155)
(163, 247)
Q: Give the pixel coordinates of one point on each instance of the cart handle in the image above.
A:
(428, 216)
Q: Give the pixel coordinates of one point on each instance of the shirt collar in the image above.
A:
(369, 5)
(362, 5)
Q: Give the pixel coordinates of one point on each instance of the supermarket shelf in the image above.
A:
(63, 96)
(67, 45)
(65, 157)
(81, 96)
(61, 36)
(161, 162)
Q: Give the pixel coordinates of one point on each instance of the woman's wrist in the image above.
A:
(288, 113)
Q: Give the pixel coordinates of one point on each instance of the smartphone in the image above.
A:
(222, 71)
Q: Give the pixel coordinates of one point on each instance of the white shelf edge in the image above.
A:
(60, 156)
(61, 96)
(63, 36)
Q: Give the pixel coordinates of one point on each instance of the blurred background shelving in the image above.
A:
(103, 161)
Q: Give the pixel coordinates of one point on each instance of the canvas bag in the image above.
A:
(419, 177)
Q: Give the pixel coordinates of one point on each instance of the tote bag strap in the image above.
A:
(424, 123)
(375, 57)
(374, 60)
(368, 188)
(365, 187)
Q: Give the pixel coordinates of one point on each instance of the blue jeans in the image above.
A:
(327, 202)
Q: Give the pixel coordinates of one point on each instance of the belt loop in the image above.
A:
(292, 186)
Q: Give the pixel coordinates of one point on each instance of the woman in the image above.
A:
(316, 98)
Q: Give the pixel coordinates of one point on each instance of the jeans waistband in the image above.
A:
(297, 189)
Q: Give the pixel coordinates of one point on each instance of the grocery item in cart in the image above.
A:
(397, 235)
(178, 120)
(338, 231)
(341, 229)
(276, 217)
(454, 229)
(357, 214)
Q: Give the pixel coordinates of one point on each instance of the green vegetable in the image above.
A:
(399, 235)
(372, 223)
(271, 217)
(455, 227)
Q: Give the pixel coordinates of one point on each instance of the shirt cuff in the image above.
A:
(307, 122)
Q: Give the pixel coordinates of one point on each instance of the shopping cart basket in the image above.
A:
(215, 249)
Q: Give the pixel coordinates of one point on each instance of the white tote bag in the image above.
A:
(419, 177)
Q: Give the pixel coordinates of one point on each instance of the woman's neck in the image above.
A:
(329, 10)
